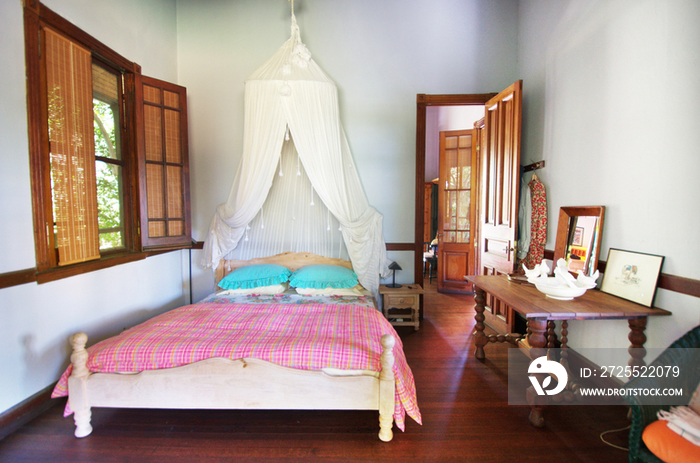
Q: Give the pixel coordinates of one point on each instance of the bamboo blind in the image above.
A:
(164, 162)
(72, 149)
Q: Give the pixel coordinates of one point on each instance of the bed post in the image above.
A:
(77, 382)
(386, 389)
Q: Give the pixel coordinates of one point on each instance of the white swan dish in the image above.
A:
(562, 286)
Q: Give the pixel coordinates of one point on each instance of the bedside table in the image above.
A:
(401, 305)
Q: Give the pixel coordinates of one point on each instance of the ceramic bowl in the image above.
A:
(556, 289)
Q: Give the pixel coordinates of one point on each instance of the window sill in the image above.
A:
(58, 273)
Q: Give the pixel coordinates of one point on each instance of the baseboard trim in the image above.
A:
(22, 413)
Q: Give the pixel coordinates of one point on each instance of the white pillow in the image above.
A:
(354, 291)
(271, 289)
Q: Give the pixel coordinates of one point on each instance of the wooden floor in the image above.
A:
(463, 403)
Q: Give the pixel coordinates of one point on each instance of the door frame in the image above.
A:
(422, 102)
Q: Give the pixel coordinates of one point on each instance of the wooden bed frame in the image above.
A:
(247, 383)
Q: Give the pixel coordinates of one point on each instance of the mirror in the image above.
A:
(578, 238)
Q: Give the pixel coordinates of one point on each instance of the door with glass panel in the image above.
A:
(455, 211)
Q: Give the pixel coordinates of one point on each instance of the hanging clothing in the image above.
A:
(538, 221)
(524, 217)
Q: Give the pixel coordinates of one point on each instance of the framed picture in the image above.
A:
(578, 237)
(632, 275)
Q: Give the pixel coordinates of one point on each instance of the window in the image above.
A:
(109, 164)
(108, 152)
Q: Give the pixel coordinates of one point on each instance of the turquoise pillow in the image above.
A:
(323, 276)
(253, 276)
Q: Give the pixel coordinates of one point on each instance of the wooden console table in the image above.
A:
(541, 312)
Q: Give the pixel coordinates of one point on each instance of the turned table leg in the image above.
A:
(537, 338)
(564, 344)
(637, 339)
(551, 334)
(480, 339)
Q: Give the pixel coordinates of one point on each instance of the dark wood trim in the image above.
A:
(389, 246)
(85, 267)
(454, 100)
(79, 269)
(674, 283)
(402, 247)
(668, 282)
(678, 284)
(421, 111)
(25, 411)
(37, 132)
(31, 275)
(19, 277)
(76, 34)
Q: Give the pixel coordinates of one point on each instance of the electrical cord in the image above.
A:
(614, 430)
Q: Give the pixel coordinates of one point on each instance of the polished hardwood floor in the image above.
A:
(463, 402)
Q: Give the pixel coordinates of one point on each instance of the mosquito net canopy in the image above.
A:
(291, 112)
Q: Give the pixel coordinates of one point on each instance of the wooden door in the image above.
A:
(455, 210)
(499, 162)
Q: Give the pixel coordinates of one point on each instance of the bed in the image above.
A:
(250, 351)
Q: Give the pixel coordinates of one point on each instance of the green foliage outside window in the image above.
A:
(108, 176)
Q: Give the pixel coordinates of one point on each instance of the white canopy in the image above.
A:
(291, 91)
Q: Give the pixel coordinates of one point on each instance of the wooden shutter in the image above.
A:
(163, 164)
(72, 149)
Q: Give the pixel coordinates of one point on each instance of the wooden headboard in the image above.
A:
(291, 260)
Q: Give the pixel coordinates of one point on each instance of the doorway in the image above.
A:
(436, 113)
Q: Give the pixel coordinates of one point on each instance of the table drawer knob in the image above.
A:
(401, 301)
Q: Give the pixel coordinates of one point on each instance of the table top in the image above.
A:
(525, 299)
(406, 288)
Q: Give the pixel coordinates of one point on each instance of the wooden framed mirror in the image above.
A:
(578, 238)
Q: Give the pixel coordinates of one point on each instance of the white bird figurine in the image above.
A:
(588, 281)
(534, 273)
(539, 271)
(562, 273)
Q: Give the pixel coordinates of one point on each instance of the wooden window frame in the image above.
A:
(37, 16)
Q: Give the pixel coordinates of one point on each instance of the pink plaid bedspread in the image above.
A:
(304, 336)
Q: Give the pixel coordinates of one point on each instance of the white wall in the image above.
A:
(439, 119)
(611, 103)
(37, 319)
(380, 54)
